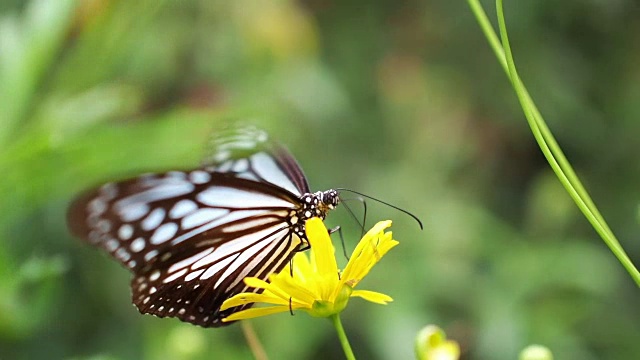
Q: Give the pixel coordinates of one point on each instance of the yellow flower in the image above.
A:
(317, 285)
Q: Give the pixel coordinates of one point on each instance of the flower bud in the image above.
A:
(432, 344)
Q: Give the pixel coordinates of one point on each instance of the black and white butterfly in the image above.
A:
(191, 237)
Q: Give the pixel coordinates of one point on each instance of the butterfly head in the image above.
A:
(329, 199)
(318, 204)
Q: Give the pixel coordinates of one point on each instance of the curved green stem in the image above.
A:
(545, 138)
(346, 347)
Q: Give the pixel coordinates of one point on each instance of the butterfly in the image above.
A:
(191, 237)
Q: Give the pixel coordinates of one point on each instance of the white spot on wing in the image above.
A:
(247, 175)
(182, 208)
(153, 220)
(97, 206)
(245, 242)
(111, 245)
(164, 233)
(154, 275)
(177, 175)
(222, 155)
(225, 166)
(235, 215)
(232, 197)
(137, 245)
(125, 232)
(267, 168)
(151, 254)
(244, 143)
(216, 267)
(190, 260)
(132, 212)
(104, 225)
(161, 189)
(175, 276)
(202, 216)
(271, 247)
(241, 165)
(245, 256)
(123, 255)
(244, 225)
(109, 190)
(193, 275)
(199, 177)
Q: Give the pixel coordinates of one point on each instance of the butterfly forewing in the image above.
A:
(190, 237)
(248, 153)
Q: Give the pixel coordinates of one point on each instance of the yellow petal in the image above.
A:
(323, 252)
(370, 238)
(301, 264)
(368, 259)
(269, 288)
(256, 312)
(328, 286)
(375, 297)
(249, 298)
(292, 289)
(256, 283)
(367, 253)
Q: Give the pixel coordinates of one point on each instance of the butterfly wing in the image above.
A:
(189, 242)
(247, 152)
(191, 237)
(194, 287)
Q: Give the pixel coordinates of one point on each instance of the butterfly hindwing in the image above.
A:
(194, 288)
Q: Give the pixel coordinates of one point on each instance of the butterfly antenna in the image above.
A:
(338, 229)
(362, 224)
(353, 215)
(364, 216)
(385, 203)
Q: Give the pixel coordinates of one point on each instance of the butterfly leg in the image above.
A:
(304, 245)
(291, 267)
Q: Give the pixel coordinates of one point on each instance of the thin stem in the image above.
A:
(346, 347)
(545, 138)
(253, 341)
(558, 161)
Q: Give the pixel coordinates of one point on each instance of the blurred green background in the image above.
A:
(402, 100)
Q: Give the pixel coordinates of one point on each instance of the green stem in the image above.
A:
(346, 347)
(252, 340)
(545, 138)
